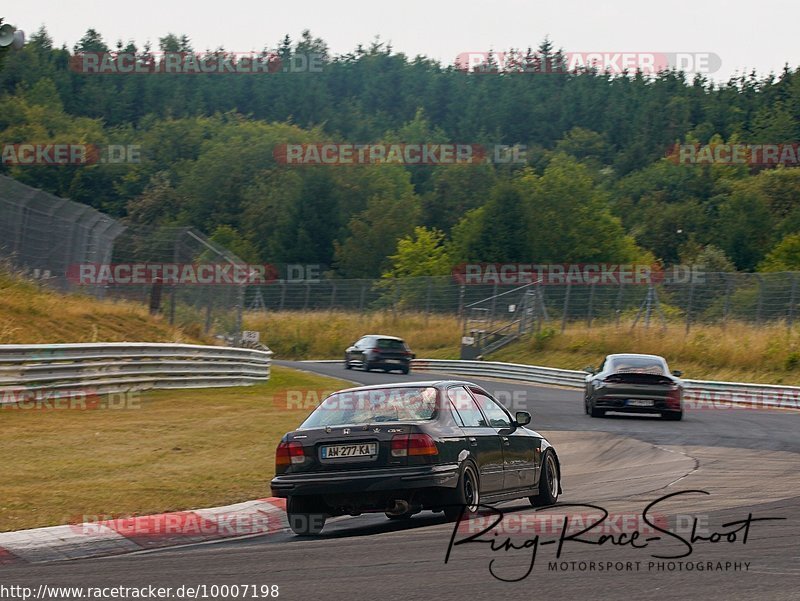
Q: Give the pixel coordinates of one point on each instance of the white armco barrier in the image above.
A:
(121, 366)
(703, 392)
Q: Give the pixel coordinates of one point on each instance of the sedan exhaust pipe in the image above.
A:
(399, 508)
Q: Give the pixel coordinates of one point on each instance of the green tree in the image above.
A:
(421, 254)
(785, 256)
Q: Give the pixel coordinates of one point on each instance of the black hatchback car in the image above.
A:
(399, 449)
(376, 351)
(634, 383)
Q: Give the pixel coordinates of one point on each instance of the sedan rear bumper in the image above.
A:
(658, 406)
(365, 481)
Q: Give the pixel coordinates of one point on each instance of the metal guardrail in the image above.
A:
(509, 371)
(122, 366)
(704, 392)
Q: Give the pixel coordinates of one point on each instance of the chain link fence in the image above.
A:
(45, 237)
(49, 239)
(709, 298)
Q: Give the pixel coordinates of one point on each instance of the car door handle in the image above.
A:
(506, 441)
(473, 441)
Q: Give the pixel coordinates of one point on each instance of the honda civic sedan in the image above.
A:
(444, 446)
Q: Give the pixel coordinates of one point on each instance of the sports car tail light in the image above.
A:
(289, 452)
(404, 445)
(674, 398)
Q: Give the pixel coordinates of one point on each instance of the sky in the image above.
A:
(743, 35)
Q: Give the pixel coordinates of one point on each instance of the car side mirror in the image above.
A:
(523, 418)
(589, 370)
(677, 373)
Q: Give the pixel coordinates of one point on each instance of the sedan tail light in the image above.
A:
(406, 445)
(288, 453)
(674, 398)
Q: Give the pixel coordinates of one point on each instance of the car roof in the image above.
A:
(381, 336)
(630, 355)
(430, 383)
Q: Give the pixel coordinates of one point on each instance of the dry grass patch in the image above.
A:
(30, 314)
(179, 449)
(326, 334)
(739, 352)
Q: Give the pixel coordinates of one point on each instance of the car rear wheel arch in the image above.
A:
(468, 472)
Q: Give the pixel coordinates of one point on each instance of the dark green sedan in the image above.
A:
(444, 446)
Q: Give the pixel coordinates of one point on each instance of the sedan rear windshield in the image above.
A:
(638, 365)
(391, 344)
(376, 405)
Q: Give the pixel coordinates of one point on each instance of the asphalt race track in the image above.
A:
(747, 460)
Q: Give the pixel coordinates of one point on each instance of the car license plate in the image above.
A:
(393, 361)
(640, 402)
(340, 451)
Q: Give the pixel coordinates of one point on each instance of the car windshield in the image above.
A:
(375, 405)
(390, 344)
(639, 365)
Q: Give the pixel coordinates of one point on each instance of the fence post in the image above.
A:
(361, 298)
(564, 317)
(727, 309)
(209, 308)
(240, 295)
(591, 306)
(790, 320)
(689, 305)
(619, 302)
(172, 305)
(461, 299)
(283, 295)
(173, 291)
(308, 293)
(760, 298)
(494, 304)
(333, 295)
(428, 299)
(395, 299)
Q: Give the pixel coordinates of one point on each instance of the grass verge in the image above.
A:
(169, 450)
(30, 314)
(741, 352)
(769, 354)
(326, 334)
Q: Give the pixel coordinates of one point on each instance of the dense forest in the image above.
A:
(596, 184)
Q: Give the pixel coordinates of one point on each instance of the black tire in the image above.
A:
(347, 364)
(673, 416)
(367, 366)
(467, 493)
(586, 405)
(548, 482)
(304, 516)
(595, 412)
(405, 370)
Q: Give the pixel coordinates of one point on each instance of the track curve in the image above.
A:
(745, 459)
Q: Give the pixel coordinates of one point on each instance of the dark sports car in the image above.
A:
(634, 384)
(399, 449)
(376, 351)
